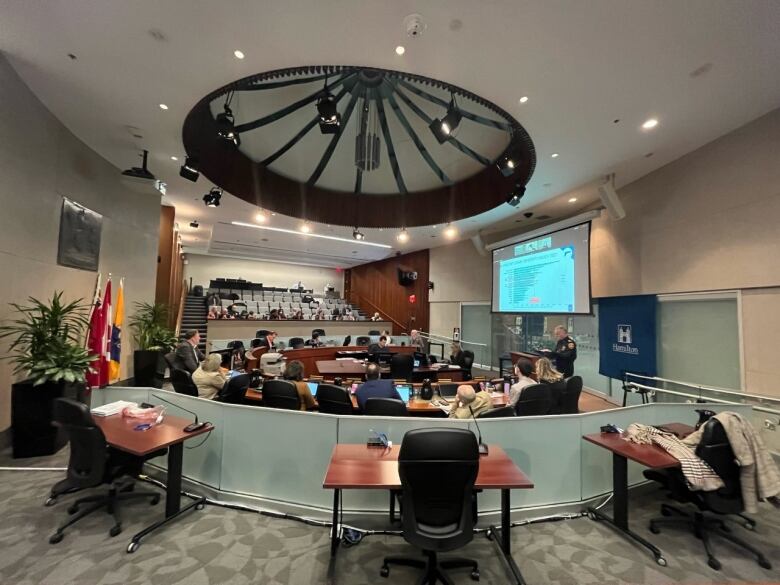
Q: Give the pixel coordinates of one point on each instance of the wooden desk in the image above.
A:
(649, 456)
(120, 434)
(350, 368)
(360, 467)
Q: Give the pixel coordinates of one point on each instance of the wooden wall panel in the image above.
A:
(375, 287)
(169, 264)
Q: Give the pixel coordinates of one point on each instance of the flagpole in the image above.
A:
(95, 297)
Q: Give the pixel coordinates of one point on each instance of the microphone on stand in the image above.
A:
(483, 449)
(195, 426)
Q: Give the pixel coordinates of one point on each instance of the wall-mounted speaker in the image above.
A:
(406, 277)
(611, 200)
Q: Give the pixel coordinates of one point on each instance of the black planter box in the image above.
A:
(32, 431)
(148, 368)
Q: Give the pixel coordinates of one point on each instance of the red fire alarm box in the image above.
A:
(412, 299)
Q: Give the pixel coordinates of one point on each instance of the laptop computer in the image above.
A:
(313, 387)
(405, 390)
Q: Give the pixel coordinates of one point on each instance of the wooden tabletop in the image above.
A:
(120, 433)
(345, 367)
(647, 455)
(361, 467)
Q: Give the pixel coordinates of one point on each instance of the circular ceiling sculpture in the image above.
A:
(359, 146)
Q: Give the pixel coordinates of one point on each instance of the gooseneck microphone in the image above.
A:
(483, 449)
(195, 426)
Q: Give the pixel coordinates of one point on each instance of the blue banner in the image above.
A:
(627, 337)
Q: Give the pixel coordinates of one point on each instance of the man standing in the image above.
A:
(188, 356)
(417, 340)
(374, 387)
(565, 352)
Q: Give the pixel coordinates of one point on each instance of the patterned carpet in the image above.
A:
(222, 546)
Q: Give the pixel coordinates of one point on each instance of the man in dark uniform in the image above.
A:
(565, 352)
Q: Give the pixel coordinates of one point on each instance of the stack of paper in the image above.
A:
(112, 408)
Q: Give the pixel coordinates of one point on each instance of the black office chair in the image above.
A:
(438, 469)
(535, 400)
(363, 341)
(385, 407)
(281, 394)
(466, 363)
(170, 360)
(402, 366)
(568, 396)
(321, 332)
(332, 399)
(93, 463)
(261, 333)
(347, 341)
(234, 390)
(374, 332)
(182, 382)
(296, 342)
(556, 391)
(713, 448)
(502, 412)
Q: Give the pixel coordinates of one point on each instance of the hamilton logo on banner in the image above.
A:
(623, 344)
(627, 328)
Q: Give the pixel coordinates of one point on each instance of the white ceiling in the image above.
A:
(582, 65)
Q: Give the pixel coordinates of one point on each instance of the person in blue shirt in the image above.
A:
(374, 387)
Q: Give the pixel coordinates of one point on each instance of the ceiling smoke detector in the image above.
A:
(414, 25)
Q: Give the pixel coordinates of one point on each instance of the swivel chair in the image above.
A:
(182, 382)
(296, 342)
(502, 412)
(535, 400)
(714, 448)
(402, 366)
(281, 394)
(347, 341)
(234, 390)
(362, 340)
(93, 463)
(438, 469)
(466, 363)
(385, 407)
(321, 332)
(333, 399)
(375, 332)
(568, 396)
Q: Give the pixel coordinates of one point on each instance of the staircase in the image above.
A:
(194, 317)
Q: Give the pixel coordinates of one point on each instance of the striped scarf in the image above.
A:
(698, 474)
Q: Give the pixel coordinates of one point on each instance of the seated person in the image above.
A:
(208, 377)
(251, 316)
(387, 335)
(376, 317)
(417, 340)
(314, 341)
(456, 355)
(294, 373)
(545, 372)
(469, 401)
(281, 315)
(297, 315)
(273, 315)
(523, 371)
(380, 347)
(213, 312)
(374, 387)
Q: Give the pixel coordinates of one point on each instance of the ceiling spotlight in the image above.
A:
(516, 195)
(554, 155)
(400, 50)
(330, 119)
(305, 227)
(212, 198)
(261, 217)
(442, 129)
(523, 99)
(573, 200)
(194, 224)
(189, 170)
(650, 124)
(163, 107)
(450, 232)
(358, 235)
(226, 128)
(403, 236)
(506, 165)
(238, 54)
(174, 158)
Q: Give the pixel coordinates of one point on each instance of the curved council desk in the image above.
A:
(277, 458)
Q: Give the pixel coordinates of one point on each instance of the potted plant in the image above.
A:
(153, 339)
(47, 345)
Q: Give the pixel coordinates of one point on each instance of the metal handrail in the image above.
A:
(707, 388)
(450, 339)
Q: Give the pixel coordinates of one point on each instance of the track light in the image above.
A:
(506, 164)
(226, 127)
(189, 170)
(516, 195)
(450, 232)
(212, 198)
(330, 119)
(194, 224)
(306, 227)
(358, 235)
(403, 236)
(442, 129)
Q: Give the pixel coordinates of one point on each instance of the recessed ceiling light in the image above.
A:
(238, 54)
(261, 217)
(523, 99)
(450, 232)
(305, 227)
(650, 124)
(573, 200)
(403, 236)
(163, 107)
(554, 155)
(310, 235)
(400, 50)
(174, 158)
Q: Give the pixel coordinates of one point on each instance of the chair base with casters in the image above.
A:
(434, 568)
(61, 488)
(118, 492)
(704, 526)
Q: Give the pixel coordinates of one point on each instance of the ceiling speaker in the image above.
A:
(611, 200)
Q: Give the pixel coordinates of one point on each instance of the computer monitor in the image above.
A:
(384, 359)
(416, 363)
(420, 359)
(313, 387)
(405, 390)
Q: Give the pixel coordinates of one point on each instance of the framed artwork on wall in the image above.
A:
(79, 243)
